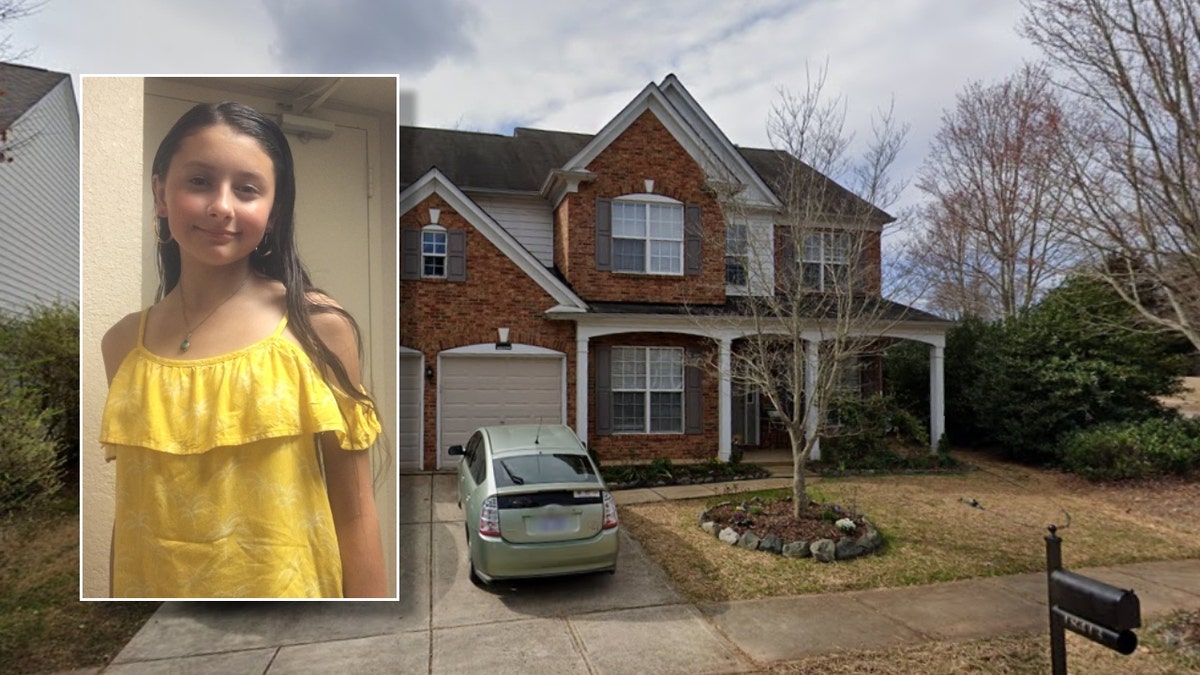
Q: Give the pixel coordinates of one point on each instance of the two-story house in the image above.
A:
(39, 185)
(582, 279)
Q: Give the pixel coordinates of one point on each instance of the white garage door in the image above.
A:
(477, 391)
(411, 423)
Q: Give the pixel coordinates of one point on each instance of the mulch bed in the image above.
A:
(776, 518)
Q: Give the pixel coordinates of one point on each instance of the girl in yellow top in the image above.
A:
(235, 413)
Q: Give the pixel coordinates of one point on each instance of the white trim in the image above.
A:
(714, 161)
(681, 99)
(406, 352)
(435, 182)
(647, 197)
(489, 349)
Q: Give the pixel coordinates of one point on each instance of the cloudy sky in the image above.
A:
(492, 65)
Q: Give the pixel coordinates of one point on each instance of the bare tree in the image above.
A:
(811, 269)
(994, 240)
(1133, 67)
(11, 10)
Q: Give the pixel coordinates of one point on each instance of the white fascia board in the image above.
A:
(682, 99)
(653, 100)
(435, 182)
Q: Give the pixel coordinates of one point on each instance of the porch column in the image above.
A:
(812, 410)
(581, 388)
(725, 402)
(937, 396)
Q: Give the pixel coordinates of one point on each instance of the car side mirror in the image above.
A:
(457, 450)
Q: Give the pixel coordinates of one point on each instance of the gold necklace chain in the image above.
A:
(187, 336)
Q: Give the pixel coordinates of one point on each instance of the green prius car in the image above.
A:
(534, 504)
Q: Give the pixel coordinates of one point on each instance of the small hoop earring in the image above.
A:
(258, 249)
(158, 232)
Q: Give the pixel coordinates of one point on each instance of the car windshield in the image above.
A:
(543, 468)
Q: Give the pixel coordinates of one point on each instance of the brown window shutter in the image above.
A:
(692, 233)
(602, 391)
(604, 235)
(692, 400)
(787, 274)
(456, 255)
(410, 253)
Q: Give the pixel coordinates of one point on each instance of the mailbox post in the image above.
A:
(1099, 612)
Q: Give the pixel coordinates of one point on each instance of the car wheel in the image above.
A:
(471, 574)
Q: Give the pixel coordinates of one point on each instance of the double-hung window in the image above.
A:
(736, 257)
(647, 389)
(826, 265)
(433, 252)
(647, 237)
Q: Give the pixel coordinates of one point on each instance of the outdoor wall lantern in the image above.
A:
(429, 373)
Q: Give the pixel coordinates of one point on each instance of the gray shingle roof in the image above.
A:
(21, 87)
(522, 162)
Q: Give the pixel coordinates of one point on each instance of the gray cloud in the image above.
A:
(357, 36)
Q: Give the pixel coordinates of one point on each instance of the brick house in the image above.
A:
(567, 278)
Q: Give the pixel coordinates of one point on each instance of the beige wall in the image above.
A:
(346, 215)
(112, 241)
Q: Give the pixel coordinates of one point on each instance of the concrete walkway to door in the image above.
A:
(629, 622)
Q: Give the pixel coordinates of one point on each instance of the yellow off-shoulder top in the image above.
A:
(219, 490)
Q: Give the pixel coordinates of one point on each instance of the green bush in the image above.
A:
(1079, 357)
(29, 465)
(39, 352)
(875, 433)
(1122, 451)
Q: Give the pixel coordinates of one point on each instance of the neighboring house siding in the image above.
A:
(645, 150)
(528, 219)
(39, 219)
(436, 314)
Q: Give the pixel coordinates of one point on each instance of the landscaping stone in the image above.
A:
(871, 540)
(729, 536)
(771, 543)
(710, 527)
(848, 548)
(796, 549)
(749, 541)
(824, 550)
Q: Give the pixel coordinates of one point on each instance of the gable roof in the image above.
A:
(526, 161)
(436, 182)
(22, 87)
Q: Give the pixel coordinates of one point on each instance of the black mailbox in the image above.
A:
(1095, 601)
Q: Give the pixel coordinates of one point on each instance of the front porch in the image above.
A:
(734, 422)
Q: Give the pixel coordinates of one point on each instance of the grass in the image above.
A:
(931, 534)
(1158, 654)
(43, 625)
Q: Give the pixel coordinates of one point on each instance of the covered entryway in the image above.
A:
(477, 386)
(411, 394)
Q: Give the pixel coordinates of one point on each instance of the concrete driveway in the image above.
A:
(631, 621)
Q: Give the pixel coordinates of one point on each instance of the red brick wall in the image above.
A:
(646, 150)
(436, 314)
(624, 446)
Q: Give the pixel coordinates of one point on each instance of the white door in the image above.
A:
(411, 426)
(476, 391)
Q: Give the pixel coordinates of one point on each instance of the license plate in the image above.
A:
(549, 525)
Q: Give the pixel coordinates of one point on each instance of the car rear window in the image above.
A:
(543, 468)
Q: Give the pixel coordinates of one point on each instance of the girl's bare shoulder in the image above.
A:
(118, 341)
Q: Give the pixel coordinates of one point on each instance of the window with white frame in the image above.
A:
(647, 237)
(647, 389)
(433, 252)
(826, 265)
(737, 261)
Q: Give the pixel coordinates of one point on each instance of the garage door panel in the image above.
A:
(411, 424)
(482, 391)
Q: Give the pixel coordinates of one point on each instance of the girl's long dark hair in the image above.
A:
(279, 259)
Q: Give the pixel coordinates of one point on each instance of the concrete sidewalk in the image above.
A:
(632, 621)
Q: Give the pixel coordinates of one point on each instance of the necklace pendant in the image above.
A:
(183, 346)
